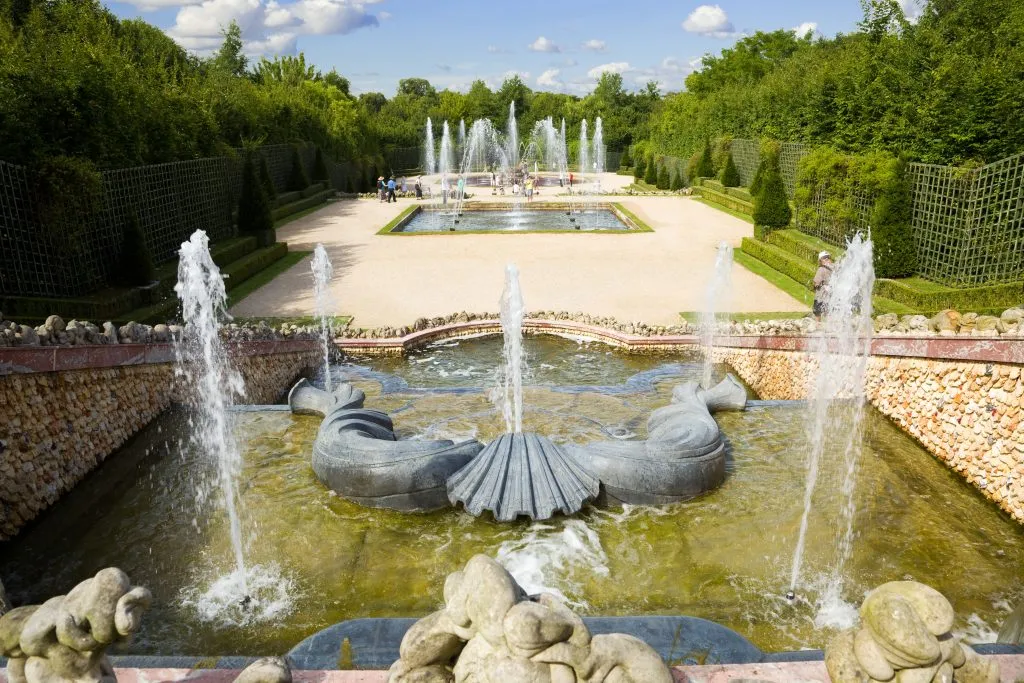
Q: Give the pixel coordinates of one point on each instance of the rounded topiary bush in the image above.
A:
(895, 251)
(254, 214)
(730, 174)
(771, 206)
(134, 263)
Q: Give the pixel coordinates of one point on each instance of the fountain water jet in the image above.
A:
(430, 159)
(462, 136)
(322, 273)
(512, 312)
(512, 137)
(202, 359)
(717, 292)
(598, 144)
(837, 406)
(584, 155)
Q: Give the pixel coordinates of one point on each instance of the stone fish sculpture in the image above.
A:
(683, 456)
(490, 632)
(905, 637)
(66, 638)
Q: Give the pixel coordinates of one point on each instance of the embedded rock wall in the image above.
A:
(967, 414)
(56, 427)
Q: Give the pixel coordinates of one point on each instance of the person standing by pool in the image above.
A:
(404, 190)
(391, 190)
(570, 182)
(380, 188)
(461, 185)
(821, 280)
(419, 188)
(529, 188)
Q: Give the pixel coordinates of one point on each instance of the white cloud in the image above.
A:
(384, 16)
(160, 4)
(709, 20)
(268, 26)
(805, 28)
(913, 9)
(613, 67)
(542, 44)
(549, 78)
(493, 49)
(595, 45)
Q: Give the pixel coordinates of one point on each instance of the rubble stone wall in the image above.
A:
(967, 414)
(56, 427)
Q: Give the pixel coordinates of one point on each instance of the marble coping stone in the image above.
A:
(934, 347)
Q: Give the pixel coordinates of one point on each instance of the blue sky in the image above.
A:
(559, 46)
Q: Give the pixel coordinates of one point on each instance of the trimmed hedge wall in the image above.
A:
(301, 205)
(780, 259)
(732, 203)
(737, 192)
(804, 246)
(928, 296)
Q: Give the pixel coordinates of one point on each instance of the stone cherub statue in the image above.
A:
(905, 637)
(65, 639)
(491, 632)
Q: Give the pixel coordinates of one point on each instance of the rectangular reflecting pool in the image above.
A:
(525, 218)
(317, 559)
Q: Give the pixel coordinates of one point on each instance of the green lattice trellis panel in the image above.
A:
(746, 154)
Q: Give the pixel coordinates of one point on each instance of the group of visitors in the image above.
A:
(386, 189)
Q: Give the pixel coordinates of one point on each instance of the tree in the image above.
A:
(229, 58)
(338, 82)
(771, 206)
(730, 174)
(626, 161)
(663, 180)
(135, 263)
(416, 87)
(298, 179)
(676, 181)
(706, 165)
(651, 172)
(895, 251)
(373, 101)
(286, 69)
(640, 172)
(254, 214)
(758, 180)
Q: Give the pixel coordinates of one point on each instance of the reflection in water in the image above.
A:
(725, 556)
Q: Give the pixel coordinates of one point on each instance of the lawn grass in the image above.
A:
(724, 209)
(250, 285)
(783, 282)
(397, 220)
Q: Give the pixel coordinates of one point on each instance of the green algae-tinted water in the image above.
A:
(725, 556)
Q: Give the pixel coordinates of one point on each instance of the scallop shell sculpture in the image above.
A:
(522, 474)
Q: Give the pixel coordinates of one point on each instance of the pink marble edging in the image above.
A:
(945, 348)
(29, 359)
(1011, 666)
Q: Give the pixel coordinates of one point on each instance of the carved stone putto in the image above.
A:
(491, 632)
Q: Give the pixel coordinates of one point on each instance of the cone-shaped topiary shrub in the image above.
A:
(730, 174)
(755, 184)
(663, 180)
(895, 251)
(626, 161)
(266, 180)
(254, 214)
(706, 165)
(675, 182)
(320, 172)
(134, 263)
(651, 172)
(641, 169)
(299, 179)
(771, 206)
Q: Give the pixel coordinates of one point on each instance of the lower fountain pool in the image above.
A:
(725, 556)
(521, 219)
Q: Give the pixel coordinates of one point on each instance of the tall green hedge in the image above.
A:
(641, 168)
(266, 180)
(771, 206)
(320, 172)
(254, 212)
(730, 174)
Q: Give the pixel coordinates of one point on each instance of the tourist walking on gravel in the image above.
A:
(391, 190)
(380, 188)
(821, 280)
(419, 188)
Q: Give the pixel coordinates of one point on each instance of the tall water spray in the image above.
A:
(512, 312)
(584, 150)
(323, 271)
(446, 162)
(429, 157)
(462, 136)
(203, 361)
(842, 351)
(598, 144)
(512, 137)
(717, 293)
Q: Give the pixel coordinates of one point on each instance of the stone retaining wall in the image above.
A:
(56, 427)
(967, 414)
